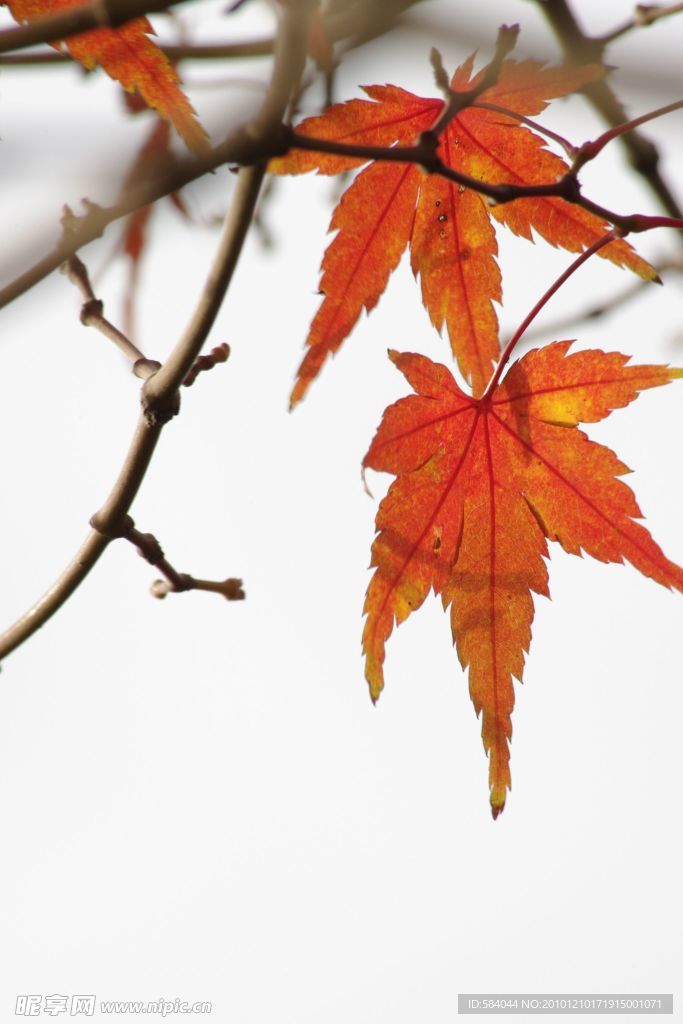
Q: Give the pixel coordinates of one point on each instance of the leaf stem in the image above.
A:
(531, 316)
(567, 146)
(589, 150)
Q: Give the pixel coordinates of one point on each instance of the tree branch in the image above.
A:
(92, 315)
(646, 14)
(160, 392)
(52, 28)
(596, 311)
(175, 582)
(267, 138)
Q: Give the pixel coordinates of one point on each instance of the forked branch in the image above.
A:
(160, 392)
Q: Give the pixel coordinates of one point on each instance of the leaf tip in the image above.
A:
(374, 676)
(497, 802)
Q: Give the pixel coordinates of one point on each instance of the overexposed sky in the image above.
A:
(199, 800)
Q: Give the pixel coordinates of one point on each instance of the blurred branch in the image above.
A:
(580, 48)
(52, 28)
(645, 15)
(611, 304)
(195, 51)
(355, 20)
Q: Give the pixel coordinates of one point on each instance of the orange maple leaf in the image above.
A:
(452, 240)
(130, 57)
(481, 485)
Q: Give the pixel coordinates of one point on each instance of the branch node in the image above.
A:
(159, 410)
(148, 547)
(112, 529)
(145, 368)
(91, 311)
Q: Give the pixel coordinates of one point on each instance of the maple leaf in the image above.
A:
(482, 485)
(452, 240)
(130, 57)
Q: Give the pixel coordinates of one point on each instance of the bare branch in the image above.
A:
(188, 51)
(52, 28)
(92, 315)
(645, 15)
(175, 582)
(239, 148)
(160, 393)
(557, 328)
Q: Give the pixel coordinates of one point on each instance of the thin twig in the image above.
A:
(357, 25)
(231, 589)
(92, 315)
(567, 146)
(646, 14)
(238, 148)
(51, 28)
(589, 150)
(175, 53)
(175, 582)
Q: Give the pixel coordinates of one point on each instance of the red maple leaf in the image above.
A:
(482, 485)
(130, 57)
(452, 240)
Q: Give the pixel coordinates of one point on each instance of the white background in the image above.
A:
(198, 799)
